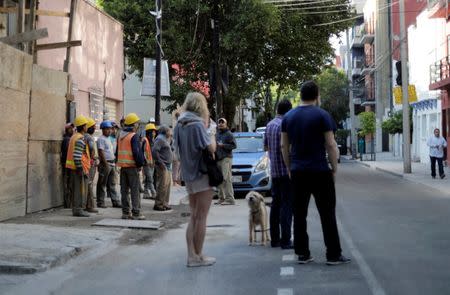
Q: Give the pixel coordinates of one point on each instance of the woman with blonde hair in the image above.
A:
(191, 137)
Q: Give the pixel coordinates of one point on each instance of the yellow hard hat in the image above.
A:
(90, 122)
(80, 121)
(150, 126)
(131, 118)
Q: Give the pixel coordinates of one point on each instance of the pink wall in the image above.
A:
(101, 51)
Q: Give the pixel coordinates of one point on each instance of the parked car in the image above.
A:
(261, 130)
(251, 164)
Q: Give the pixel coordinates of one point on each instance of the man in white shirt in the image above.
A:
(437, 144)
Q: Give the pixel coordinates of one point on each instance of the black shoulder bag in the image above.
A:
(209, 166)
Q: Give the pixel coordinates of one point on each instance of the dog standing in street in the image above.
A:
(257, 216)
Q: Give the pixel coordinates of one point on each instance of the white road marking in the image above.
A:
(287, 271)
(368, 274)
(290, 257)
(285, 292)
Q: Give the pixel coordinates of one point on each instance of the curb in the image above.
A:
(18, 267)
(381, 169)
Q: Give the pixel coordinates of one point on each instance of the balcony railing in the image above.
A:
(368, 65)
(440, 70)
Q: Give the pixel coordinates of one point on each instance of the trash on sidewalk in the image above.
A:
(142, 224)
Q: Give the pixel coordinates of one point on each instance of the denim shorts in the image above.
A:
(199, 185)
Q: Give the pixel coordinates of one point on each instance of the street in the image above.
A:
(395, 232)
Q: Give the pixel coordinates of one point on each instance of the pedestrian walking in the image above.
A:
(176, 161)
(437, 144)
(90, 204)
(226, 143)
(162, 154)
(68, 132)
(149, 167)
(307, 136)
(191, 138)
(79, 162)
(281, 208)
(130, 159)
(106, 169)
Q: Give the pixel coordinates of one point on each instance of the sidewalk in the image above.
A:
(39, 241)
(421, 173)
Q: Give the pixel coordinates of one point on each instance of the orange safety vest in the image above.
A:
(85, 158)
(124, 152)
(148, 151)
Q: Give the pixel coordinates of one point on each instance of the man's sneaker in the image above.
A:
(303, 259)
(168, 208)
(101, 206)
(138, 217)
(116, 205)
(442, 176)
(219, 202)
(81, 213)
(340, 260)
(126, 216)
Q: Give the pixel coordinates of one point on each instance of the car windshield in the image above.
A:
(251, 144)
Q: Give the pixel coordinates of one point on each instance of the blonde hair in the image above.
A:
(195, 102)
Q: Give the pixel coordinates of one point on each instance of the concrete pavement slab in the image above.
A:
(28, 249)
(144, 224)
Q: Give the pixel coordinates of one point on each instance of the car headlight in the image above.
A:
(263, 164)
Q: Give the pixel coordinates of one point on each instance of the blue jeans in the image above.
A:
(281, 212)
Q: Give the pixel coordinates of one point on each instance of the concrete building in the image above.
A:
(96, 67)
(440, 69)
(424, 48)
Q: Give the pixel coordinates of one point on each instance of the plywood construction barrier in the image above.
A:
(30, 141)
(15, 85)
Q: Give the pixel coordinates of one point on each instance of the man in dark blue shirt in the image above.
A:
(307, 136)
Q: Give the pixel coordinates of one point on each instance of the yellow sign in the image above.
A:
(412, 94)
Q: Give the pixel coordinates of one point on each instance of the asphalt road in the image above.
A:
(396, 233)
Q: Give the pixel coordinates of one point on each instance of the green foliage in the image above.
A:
(342, 134)
(367, 121)
(333, 85)
(261, 44)
(394, 124)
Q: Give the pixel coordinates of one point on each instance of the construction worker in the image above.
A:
(106, 168)
(79, 162)
(149, 167)
(68, 132)
(130, 159)
(90, 204)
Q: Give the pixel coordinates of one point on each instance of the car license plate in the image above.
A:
(236, 178)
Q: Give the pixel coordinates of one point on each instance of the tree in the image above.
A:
(260, 44)
(333, 85)
(367, 120)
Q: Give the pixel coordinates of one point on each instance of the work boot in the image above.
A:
(116, 204)
(126, 216)
(92, 210)
(147, 194)
(81, 213)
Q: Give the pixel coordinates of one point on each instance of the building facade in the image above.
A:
(96, 67)
(440, 69)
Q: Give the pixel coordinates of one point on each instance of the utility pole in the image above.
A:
(350, 100)
(158, 62)
(405, 102)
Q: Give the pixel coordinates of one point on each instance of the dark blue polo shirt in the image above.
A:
(305, 126)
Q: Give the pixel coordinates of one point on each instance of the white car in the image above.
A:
(261, 130)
